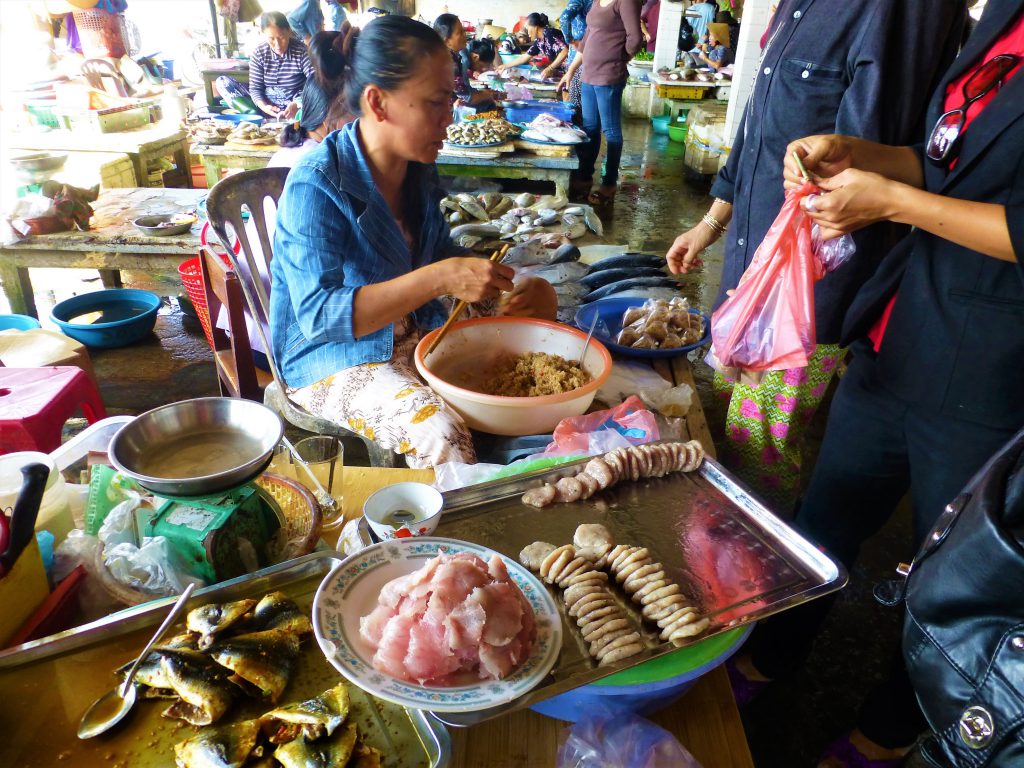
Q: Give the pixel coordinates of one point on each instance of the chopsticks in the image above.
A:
(498, 255)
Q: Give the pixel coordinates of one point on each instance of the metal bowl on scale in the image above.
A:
(197, 447)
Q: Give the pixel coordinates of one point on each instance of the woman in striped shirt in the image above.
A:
(278, 68)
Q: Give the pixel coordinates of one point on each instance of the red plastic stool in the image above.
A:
(35, 403)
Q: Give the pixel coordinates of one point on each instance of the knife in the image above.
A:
(23, 518)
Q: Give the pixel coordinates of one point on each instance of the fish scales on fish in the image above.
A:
(556, 274)
(631, 283)
(536, 253)
(277, 611)
(151, 673)
(607, 276)
(212, 619)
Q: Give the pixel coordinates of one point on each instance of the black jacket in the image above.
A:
(955, 341)
(858, 67)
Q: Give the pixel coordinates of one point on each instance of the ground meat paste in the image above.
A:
(534, 373)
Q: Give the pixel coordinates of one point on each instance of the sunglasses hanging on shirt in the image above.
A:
(945, 136)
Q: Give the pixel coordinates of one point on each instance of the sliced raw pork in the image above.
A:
(456, 614)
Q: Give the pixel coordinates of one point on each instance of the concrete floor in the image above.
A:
(789, 726)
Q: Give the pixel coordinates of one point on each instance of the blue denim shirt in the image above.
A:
(335, 234)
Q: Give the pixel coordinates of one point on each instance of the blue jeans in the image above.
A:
(602, 110)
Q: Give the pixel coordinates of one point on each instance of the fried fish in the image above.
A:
(201, 685)
(333, 752)
(227, 746)
(262, 659)
(276, 611)
(312, 719)
(212, 619)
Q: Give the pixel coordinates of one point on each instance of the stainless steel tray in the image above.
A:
(728, 552)
(46, 685)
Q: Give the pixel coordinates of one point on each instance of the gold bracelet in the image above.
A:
(714, 223)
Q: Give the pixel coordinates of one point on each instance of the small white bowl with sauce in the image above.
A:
(403, 510)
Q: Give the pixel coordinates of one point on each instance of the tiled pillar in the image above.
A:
(669, 22)
(748, 52)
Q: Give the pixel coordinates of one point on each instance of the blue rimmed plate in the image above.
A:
(350, 591)
(609, 322)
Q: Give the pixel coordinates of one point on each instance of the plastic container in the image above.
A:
(43, 115)
(110, 120)
(525, 111)
(128, 315)
(677, 132)
(55, 510)
(473, 347)
(95, 437)
(647, 687)
(101, 33)
(18, 323)
(192, 278)
(660, 124)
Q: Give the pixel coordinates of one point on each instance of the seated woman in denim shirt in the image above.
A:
(718, 53)
(362, 254)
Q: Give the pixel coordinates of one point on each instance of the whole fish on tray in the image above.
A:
(627, 260)
(209, 620)
(277, 611)
(629, 284)
(601, 278)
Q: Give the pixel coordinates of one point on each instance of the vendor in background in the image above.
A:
(613, 38)
(699, 15)
(482, 54)
(278, 68)
(450, 28)
(574, 26)
(825, 67)
(307, 19)
(547, 48)
(718, 53)
(362, 252)
(725, 17)
(649, 17)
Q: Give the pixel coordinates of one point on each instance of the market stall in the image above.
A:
(111, 244)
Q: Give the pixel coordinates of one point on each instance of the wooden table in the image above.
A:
(705, 720)
(218, 158)
(111, 245)
(142, 145)
(514, 165)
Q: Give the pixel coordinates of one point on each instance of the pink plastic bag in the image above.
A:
(629, 423)
(768, 323)
(607, 739)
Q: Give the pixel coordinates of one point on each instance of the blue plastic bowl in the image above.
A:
(660, 123)
(646, 687)
(610, 311)
(18, 323)
(126, 316)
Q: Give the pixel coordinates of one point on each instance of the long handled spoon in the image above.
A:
(110, 709)
(590, 334)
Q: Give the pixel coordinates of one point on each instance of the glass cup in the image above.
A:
(325, 457)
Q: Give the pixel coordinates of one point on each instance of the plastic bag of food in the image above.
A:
(628, 423)
(622, 740)
(832, 253)
(768, 322)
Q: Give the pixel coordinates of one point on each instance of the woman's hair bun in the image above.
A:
(350, 36)
(327, 55)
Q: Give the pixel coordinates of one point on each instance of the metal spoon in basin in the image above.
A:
(110, 709)
(583, 352)
(324, 499)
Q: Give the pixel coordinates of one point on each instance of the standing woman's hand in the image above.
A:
(823, 155)
(853, 200)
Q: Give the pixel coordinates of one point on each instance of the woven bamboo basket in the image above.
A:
(300, 531)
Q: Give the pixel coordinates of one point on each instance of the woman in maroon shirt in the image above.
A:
(613, 36)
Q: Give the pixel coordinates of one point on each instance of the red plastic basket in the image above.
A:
(192, 278)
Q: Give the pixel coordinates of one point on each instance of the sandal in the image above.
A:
(843, 751)
(579, 191)
(602, 197)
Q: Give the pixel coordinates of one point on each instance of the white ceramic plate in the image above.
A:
(350, 591)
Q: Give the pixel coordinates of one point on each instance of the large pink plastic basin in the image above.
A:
(471, 348)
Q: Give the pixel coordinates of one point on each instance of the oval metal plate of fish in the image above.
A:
(350, 591)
